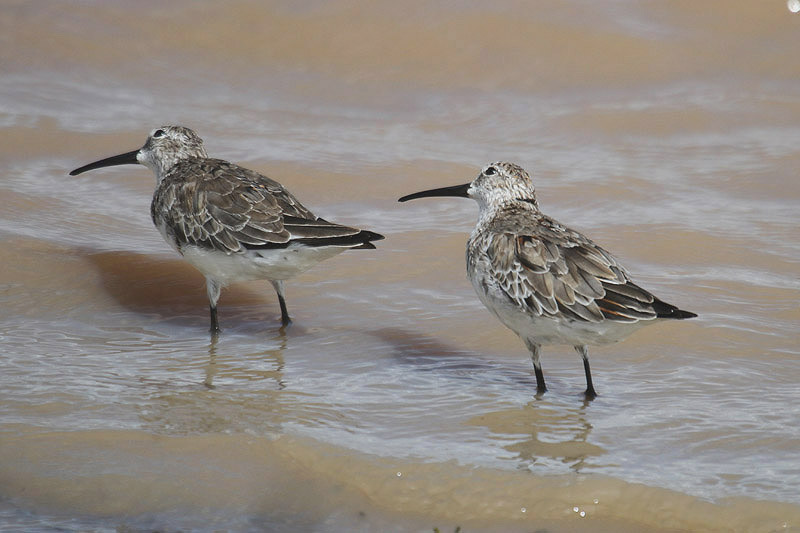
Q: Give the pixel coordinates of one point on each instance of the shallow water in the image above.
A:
(668, 132)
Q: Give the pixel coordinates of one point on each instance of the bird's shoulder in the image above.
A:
(230, 186)
(541, 243)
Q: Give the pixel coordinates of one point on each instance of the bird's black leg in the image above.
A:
(535, 350)
(285, 319)
(214, 323)
(213, 288)
(590, 392)
(541, 388)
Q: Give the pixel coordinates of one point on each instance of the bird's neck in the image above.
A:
(166, 168)
(490, 210)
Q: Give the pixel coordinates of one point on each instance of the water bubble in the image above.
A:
(399, 474)
(576, 509)
(596, 501)
(793, 5)
(524, 510)
(582, 513)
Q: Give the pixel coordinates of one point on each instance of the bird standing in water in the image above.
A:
(231, 223)
(547, 283)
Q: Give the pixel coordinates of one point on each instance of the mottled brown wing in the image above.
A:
(221, 206)
(550, 269)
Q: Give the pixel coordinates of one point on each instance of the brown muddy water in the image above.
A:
(667, 131)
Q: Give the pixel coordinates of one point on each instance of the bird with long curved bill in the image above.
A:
(544, 281)
(233, 224)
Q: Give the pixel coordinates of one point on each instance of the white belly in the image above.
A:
(275, 264)
(557, 330)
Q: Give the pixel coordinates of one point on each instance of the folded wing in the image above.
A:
(228, 208)
(549, 269)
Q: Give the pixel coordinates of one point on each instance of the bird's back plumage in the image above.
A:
(549, 270)
(217, 205)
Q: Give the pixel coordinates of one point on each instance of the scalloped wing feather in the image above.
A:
(218, 205)
(549, 269)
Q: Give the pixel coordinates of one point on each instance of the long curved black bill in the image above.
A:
(459, 191)
(128, 158)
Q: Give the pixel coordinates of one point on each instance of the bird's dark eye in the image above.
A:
(491, 171)
(158, 133)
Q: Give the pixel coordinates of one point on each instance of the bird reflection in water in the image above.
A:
(229, 366)
(545, 436)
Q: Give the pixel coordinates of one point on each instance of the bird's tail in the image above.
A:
(665, 310)
(368, 237)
